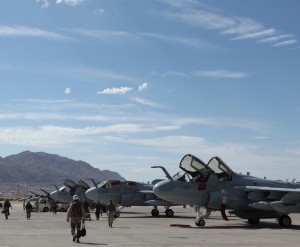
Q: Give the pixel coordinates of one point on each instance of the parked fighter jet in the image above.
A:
(70, 188)
(36, 195)
(128, 193)
(216, 187)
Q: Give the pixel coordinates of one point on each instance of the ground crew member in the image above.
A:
(111, 210)
(6, 207)
(76, 213)
(28, 208)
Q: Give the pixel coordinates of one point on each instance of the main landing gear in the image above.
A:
(169, 212)
(283, 220)
(199, 221)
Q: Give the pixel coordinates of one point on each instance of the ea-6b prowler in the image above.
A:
(127, 194)
(216, 187)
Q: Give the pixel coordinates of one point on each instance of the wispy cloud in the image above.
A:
(70, 2)
(286, 43)
(180, 3)
(276, 38)
(115, 90)
(145, 102)
(242, 28)
(257, 35)
(222, 74)
(49, 135)
(217, 74)
(104, 34)
(186, 41)
(46, 3)
(31, 32)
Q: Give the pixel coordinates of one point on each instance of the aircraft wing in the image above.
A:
(282, 200)
(264, 188)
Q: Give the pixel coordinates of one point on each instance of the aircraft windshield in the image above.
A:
(112, 184)
(131, 184)
(102, 184)
(219, 166)
(181, 176)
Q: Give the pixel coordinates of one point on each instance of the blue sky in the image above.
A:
(127, 84)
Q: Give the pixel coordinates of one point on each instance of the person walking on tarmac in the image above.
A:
(6, 207)
(77, 214)
(28, 208)
(111, 210)
(98, 210)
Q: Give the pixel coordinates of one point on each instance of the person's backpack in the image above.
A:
(76, 209)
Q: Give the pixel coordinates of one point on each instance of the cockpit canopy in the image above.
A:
(70, 183)
(110, 184)
(196, 168)
(219, 166)
(83, 185)
(115, 184)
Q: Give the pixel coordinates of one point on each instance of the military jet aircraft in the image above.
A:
(65, 193)
(34, 195)
(128, 193)
(217, 188)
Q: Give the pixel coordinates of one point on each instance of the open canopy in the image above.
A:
(196, 167)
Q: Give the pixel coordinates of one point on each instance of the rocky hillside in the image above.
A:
(43, 169)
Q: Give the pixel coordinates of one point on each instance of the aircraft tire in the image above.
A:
(200, 222)
(155, 212)
(253, 221)
(169, 213)
(285, 221)
(45, 209)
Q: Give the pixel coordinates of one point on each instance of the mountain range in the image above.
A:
(39, 169)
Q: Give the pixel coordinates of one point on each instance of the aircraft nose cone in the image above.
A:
(92, 194)
(162, 189)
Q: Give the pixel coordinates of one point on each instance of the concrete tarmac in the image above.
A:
(136, 227)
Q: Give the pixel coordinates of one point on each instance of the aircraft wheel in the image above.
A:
(45, 209)
(169, 213)
(285, 221)
(253, 221)
(155, 212)
(200, 222)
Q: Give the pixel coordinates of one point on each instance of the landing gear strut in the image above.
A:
(199, 221)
